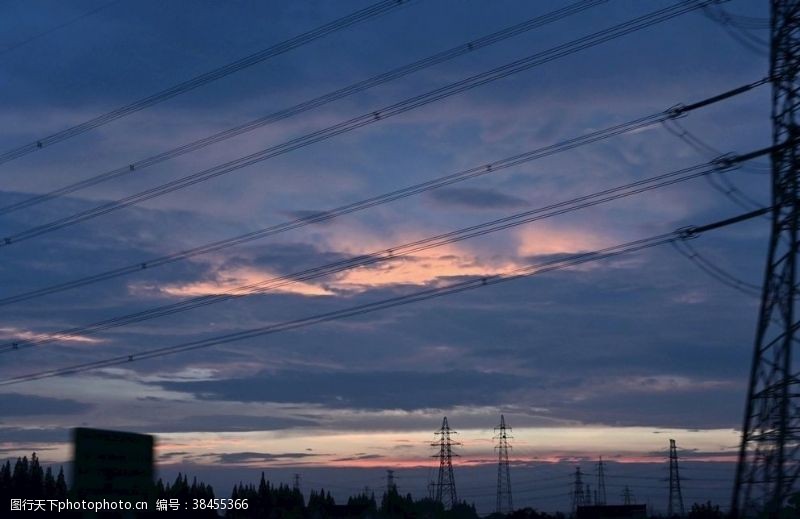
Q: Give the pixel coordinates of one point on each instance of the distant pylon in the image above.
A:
(504, 504)
(601, 484)
(577, 491)
(296, 485)
(390, 484)
(445, 486)
(627, 496)
(675, 504)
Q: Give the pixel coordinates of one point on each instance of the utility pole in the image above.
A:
(601, 483)
(504, 503)
(675, 504)
(769, 455)
(445, 485)
(577, 491)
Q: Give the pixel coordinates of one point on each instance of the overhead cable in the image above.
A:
(372, 11)
(55, 28)
(388, 254)
(280, 115)
(422, 295)
(517, 66)
(323, 216)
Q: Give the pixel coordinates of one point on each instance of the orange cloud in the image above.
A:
(541, 240)
(26, 335)
(230, 281)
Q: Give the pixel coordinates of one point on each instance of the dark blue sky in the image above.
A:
(583, 362)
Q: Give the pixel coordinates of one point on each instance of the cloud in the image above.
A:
(26, 335)
(246, 458)
(476, 198)
(230, 423)
(231, 281)
(360, 390)
(360, 457)
(16, 404)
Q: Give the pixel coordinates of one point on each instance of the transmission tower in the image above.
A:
(578, 498)
(390, 484)
(601, 483)
(627, 496)
(504, 504)
(296, 485)
(769, 455)
(445, 486)
(675, 504)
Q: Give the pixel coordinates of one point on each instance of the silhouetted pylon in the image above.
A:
(601, 483)
(627, 496)
(578, 496)
(768, 472)
(675, 504)
(390, 484)
(445, 485)
(504, 503)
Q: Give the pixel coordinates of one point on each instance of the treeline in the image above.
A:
(185, 494)
(28, 480)
(281, 501)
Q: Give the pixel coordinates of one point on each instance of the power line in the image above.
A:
(730, 190)
(685, 249)
(738, 28)
(341, 93)
(55, 28)
(552, 265)
(346, 21)
(422, 295)
(368, 118)
(460, 176)
(322, 216)
(393, 253)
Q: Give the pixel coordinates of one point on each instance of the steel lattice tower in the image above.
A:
(390, 484)
(601, 483)
(769, 460)
(627, 496)
(445, 486)
(578, 498)
(504, 503)
(675, 504)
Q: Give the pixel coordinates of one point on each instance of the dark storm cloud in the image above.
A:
(476, 198)
(373, 390)
(15, 404)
